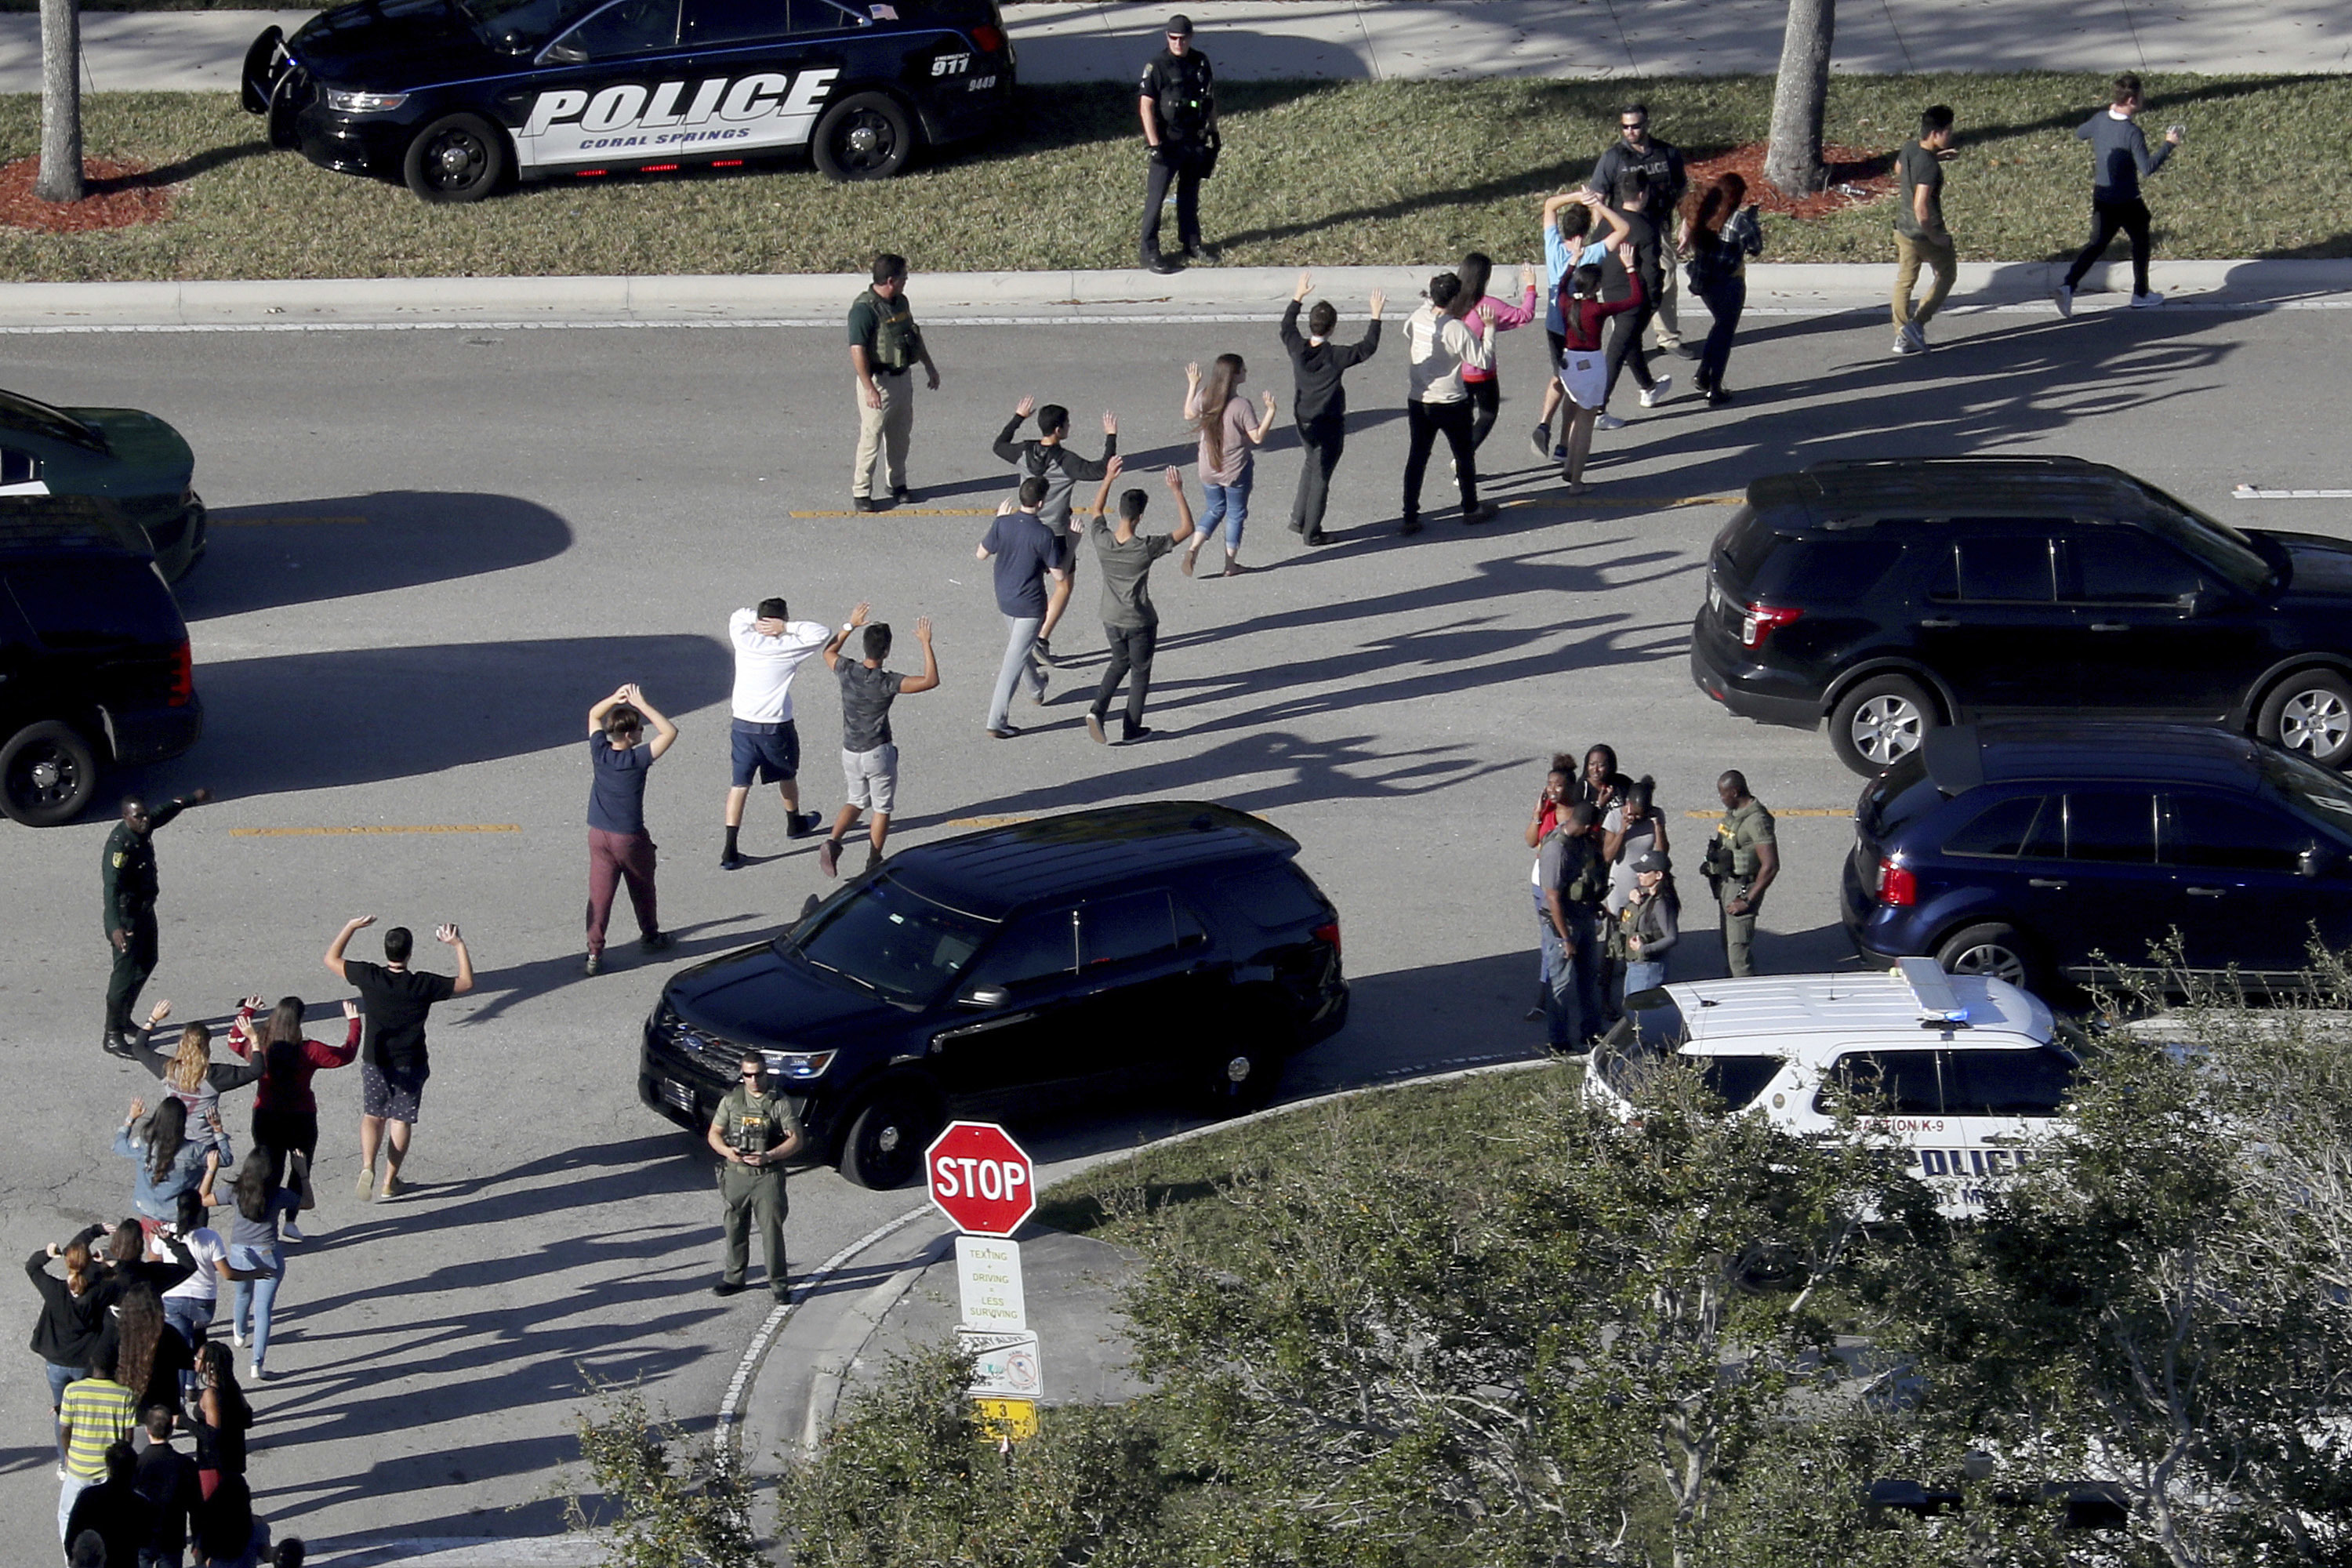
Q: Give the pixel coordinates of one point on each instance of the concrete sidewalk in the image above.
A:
(1198, 294)
(1401, 39)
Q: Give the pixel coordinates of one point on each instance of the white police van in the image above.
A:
(1965, 1075)
(455, 96)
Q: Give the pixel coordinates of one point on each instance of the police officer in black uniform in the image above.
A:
(127, 876)
(1179, 106)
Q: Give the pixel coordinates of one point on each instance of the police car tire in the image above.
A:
(1881, 699)
(884, 1147)
(61, 746)
(489, 163)
(879, 113)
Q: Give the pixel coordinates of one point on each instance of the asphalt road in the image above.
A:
(434, 549)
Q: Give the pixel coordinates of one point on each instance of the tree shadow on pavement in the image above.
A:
(319, 721)
(333, 547)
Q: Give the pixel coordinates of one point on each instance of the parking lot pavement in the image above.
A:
(435, 550)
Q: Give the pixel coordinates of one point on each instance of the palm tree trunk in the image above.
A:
(60, 178)
(1792, 159)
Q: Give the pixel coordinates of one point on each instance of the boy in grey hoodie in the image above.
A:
(2120, 160)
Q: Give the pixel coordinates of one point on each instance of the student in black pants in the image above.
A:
(1320, 401)
(1626, 336)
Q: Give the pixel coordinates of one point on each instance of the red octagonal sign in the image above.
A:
(980, 1179)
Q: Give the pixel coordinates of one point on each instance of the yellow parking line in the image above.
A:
(338, 832)
(217, 521)
(1656, 503)
(906, 511)
(1780, 811)
(985, 821)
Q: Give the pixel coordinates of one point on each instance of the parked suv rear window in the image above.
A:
(1900, 795)
(92, 604)
(1745, 544)
(2001, 830)
(1826, 571)
(1274, 897)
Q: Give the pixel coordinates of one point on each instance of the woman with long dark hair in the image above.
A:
(1217, 409)
(166, 1161)
(285, 1112)
(1651, 924)
(221, 1418)
(1720, 233)
(1560, 784)
(254, 1254)
(1479, 310)
(148, 1356)
(1584, 365)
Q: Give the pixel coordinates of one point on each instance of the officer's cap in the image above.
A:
(1180, 26)
(1652, 861)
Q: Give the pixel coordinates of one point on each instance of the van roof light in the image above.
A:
(1931, 993)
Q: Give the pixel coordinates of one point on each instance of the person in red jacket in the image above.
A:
(1583, 367)
(285, 1112)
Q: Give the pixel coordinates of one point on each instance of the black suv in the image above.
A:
(1893, 597)
(2038, 852)
(1170, 943)
(94, 664)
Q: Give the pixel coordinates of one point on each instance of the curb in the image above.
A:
(831, 1367)
(1058, 296)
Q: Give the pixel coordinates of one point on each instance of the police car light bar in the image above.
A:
(1931, 993)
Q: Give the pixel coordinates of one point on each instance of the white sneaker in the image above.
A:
(290, 1231)
(1905, 344)
(1608, 422)
(2065, 295)
(236, 1336)
(2143, 302)
(1657, 391)
(256, 1373)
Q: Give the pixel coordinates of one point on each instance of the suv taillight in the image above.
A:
(183, 675)
(988, 40)
(1897, 887)
(1762, 621)
(1327, 933)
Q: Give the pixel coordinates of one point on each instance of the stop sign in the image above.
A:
(980, 1178)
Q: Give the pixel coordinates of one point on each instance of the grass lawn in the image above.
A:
(1314, 174)
(1467, 1124)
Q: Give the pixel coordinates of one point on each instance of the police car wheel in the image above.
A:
(885, 1145)
(866, 136)
(457, 158)
(1991, 950)
(47, 774)
(1881, 721)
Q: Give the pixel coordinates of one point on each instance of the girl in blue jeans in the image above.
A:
(253, 1250)
(1227, 469)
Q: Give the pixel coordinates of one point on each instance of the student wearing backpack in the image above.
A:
(1721, 232)
(884, 346)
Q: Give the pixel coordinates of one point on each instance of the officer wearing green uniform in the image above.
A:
(127, 877)
(754, 1132)
(1742, 859)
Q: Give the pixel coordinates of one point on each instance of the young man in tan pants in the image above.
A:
(1920, 236)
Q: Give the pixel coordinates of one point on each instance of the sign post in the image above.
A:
(983, 1181)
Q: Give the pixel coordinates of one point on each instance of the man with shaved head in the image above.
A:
(127, 876)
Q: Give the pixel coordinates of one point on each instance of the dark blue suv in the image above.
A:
(2042, 853)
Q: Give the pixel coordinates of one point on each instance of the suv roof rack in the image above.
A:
(1931, 993)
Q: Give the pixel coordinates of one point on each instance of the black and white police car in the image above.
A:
(453, 96)
(1960, 1075)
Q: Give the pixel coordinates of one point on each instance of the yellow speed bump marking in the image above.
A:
(340, 832)
(1786, 811)
(906, 511)
(217, 521)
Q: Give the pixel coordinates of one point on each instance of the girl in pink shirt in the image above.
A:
(1478, 312)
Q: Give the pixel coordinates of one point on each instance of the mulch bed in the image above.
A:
(114, 195)
(1856, 175)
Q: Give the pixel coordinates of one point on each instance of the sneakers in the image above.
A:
(1604, 422)
(656, 942)
(1094, 730)
(1679, 348)
(2143, 302)
(900, 495)
(1717, 396)
(1906, 344)
(1540, 442)
(594, 967)
(365, 1185)
(256, 1373)
(863, 503)
(1656, 392)
(1559, 452)
(236, 1336)
(1163, 266)
(1483, 512)
(290, 1231)
(2064, 296)
(1044, 652)
(393, 1186)
(828, 857)
(730, 862)
(1002, 732)
(728, 1288)
(1129, 737)
(800, 825)
(1410, 525)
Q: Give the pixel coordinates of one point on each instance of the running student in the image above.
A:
(869, 756)
(1130, 620)
(1583, 368)
(1047, 458)
(1568, 220)
(1484, 315)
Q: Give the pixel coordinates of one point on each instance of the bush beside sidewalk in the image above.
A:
(1315, 175)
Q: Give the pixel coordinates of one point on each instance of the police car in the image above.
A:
(1963, 1073)
(455, 96)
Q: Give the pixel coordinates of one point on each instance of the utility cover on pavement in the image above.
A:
(980, 1179)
